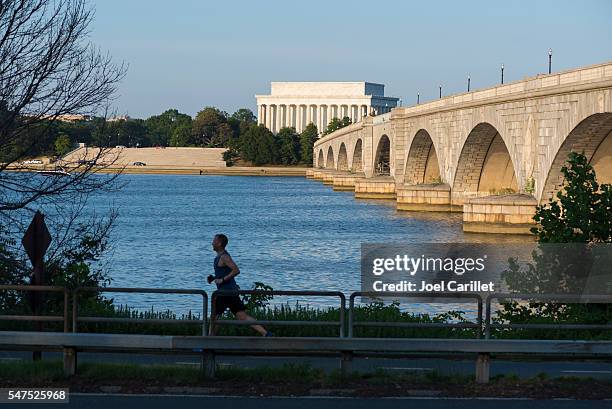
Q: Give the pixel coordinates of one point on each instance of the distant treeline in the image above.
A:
(211, 127)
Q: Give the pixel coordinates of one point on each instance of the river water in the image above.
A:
(290, 233)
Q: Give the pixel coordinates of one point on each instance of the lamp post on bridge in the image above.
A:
(440, 91)
(549, 60)
(468, 83)
(502, 73)
(418, 98)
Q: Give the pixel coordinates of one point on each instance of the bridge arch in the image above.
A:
(342, 158)
(593, 137)
(422, 164)
(320, 160)
(484, 166)
(357, 165)
(329, 164)
(382, 159)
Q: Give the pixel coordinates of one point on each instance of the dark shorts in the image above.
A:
(233, 302)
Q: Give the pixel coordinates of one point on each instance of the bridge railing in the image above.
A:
(459, 296)
(334, 294)
(482, 324)
(542, 298)
(38, 318)
(75, 306)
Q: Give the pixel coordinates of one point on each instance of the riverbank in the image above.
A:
(233, 170)
(175, 170)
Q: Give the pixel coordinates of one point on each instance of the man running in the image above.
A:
(225, 271)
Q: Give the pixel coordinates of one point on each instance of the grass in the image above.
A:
(288, 375)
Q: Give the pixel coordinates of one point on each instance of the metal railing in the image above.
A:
(338, 294)
(38, 318)
(482, 324)
(352, 323)
(76, 319)
(553, 298)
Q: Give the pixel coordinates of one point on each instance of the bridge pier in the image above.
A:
(426, 198)
(317, 174)
(346, 181)
(509, 214)
(379, 187)
(328, 177)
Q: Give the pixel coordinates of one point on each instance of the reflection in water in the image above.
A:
(288, 232)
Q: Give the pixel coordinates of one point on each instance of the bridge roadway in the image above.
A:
(105, 401)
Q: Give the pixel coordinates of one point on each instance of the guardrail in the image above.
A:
(76, 319)
(38, 318)
(346, 348)
(338, 294)
(352, 323)
(563, 298)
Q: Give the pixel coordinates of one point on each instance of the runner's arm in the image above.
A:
(226, 260)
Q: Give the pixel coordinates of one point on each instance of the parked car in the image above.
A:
(139, 164)
(33, 162)
(86, 162)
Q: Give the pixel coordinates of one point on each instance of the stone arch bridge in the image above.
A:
(493, 154)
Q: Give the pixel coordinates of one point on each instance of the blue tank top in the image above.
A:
(222, 271)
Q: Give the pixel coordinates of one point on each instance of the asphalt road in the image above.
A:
(524, 369)
(93, 401)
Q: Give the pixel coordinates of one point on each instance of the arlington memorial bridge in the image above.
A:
(493, 154)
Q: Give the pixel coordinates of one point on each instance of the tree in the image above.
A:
(309, 136)
(289, 146)
(207, 129)
(241, 120)
(168, 128)
(181, 135)
(48, 69)
(62, 144)
(336, 124)
(581, 210)
(259, 146)
(579, 213)
(244, 115)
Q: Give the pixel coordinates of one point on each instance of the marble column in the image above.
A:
(268, 122)
(290, 111)
(298, 118)
(320, 119)
(277, 118)
(284, 117)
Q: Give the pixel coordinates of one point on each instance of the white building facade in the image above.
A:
(296, 104)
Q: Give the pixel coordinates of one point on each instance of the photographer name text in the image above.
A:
(425, 286)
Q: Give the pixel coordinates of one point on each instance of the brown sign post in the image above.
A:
(36, 241)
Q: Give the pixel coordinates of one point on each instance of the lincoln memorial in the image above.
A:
(296, 104)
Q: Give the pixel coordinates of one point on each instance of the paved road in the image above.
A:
(595, 369)
(224, 402)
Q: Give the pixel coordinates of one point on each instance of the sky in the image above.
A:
(188, 54)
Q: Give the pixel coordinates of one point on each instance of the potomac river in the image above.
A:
(290, 233)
